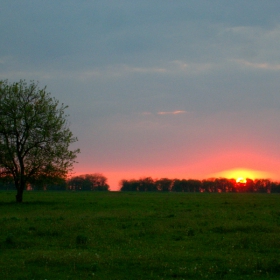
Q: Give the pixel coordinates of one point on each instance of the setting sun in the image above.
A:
(241, 180)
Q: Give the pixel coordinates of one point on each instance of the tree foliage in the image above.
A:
(88, 182)
(34, 135)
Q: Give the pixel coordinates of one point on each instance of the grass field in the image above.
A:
(113, 235)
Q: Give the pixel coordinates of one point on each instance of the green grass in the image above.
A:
(91, 235)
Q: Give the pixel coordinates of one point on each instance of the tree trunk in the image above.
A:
(19, 194)
(20, 183)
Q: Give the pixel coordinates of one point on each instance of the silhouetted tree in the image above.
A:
(224, 185)
(250, 185)
(275, 187)
(209, 185)
(88, 182)
(126, 186)
(146, 184)
(193, 185)
(262, 185)
(142, 185)
(164, 184)
(177, 186)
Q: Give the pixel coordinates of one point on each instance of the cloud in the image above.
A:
(162, 113)
(168, 68)
(195, 68)
(264, 65)
(147, 70)
(172, 112)
(119, 70)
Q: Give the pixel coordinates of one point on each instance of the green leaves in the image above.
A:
(34, 133)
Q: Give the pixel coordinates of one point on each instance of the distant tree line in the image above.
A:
(217, 185)
(98, 182)
(87, 182)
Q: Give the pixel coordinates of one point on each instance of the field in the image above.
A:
(113, 235)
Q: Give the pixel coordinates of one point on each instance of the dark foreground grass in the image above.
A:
(62, 235)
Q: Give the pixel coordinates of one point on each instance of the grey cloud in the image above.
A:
(115, 32)
(110, 61)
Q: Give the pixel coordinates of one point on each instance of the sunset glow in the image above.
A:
(241, 180)
(241, 174)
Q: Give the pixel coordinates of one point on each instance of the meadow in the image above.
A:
(131, 235)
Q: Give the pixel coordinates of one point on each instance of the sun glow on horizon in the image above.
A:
(241, 174)
(241, 180)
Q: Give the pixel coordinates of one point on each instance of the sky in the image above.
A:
(161, 88)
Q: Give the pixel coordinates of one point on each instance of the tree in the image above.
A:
(129, 185)
(164, 184)
(224, 185)
(88, 182)
(34, 135)
(146, 184)
(98, 182)
(6, 183)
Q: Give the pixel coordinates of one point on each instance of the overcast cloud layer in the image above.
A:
(160, 88)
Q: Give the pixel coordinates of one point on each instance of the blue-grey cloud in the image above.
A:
(110, 61)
